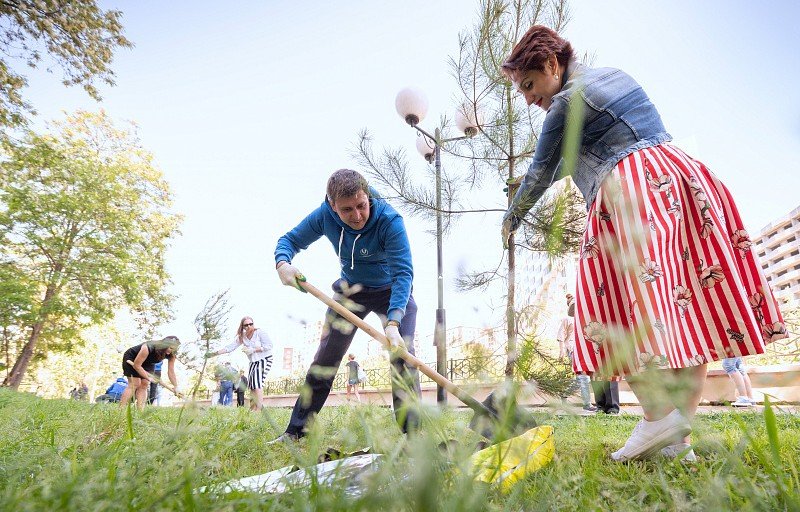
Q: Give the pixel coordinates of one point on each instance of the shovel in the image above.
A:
(494, 419)
(160, 382)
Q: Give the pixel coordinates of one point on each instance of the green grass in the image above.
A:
(67, 455)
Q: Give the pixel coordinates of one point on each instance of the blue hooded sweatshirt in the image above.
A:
(376, 256)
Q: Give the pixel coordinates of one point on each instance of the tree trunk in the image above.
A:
(511, 324)
(14, 378)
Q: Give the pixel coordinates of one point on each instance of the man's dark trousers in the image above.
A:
(606, 396)
(333, 346)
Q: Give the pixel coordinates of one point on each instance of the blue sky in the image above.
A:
(249, 106)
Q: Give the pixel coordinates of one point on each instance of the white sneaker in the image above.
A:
(674, 450)
(743, 401)
(285, 438)
(650, 436)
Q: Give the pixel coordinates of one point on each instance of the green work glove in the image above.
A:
(290, 276)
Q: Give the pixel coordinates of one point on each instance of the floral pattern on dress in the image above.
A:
(650, 271)
(757, 303)
(596, 333)
(682, 297)
(735, 335)
(706, 226)
(741, 241)
(661, 183)
(711, 275)
(648, 360)
(706, 223)
(774, 331)
(675, 209)
(698, 360)
(590, 249)
(604, 215)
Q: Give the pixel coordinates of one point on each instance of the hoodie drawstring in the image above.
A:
(352, 251)
(341, 237)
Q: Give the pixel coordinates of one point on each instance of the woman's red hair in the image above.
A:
(530, 53)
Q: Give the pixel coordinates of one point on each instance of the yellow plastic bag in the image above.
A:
(505, 463)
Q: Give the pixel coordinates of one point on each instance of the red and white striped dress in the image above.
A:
(667, 277)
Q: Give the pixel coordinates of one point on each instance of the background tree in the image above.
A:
(208, 324)
(96, 362)
(507, 137)
(77, 37)
(16, 304)
(84, 217)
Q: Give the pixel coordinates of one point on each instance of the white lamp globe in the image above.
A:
(425, 146)
(468, 120)
(412, 105)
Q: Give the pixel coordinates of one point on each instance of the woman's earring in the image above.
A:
(556, 77)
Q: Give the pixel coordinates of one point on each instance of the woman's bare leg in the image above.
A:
(257, 399)
(133, 383)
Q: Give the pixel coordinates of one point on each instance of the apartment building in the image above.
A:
(778, 249)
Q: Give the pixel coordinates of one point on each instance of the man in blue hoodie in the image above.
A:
(370, 239)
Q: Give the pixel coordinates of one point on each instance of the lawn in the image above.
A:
(68, 455)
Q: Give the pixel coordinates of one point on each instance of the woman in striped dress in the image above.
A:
(667, 279)
(258, 347)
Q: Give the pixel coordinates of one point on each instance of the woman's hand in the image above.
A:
(510, 225)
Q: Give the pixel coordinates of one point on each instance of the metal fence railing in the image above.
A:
(459, 371)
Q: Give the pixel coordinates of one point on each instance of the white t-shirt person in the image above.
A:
(257, 347)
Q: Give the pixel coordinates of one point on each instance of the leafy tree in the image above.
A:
(84, 217)
(507, 137)
(96, 363)
(77, 37)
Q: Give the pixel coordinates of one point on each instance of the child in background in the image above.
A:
(737, 371)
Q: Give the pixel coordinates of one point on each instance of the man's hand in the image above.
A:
(290, 276)
(393, 335)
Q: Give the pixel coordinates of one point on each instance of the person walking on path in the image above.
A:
(144, 358)
(372, 246)
(241, 387)
(152, 393)
(352, 377)
(606, 394)
(258, 346)
(667, 278)
(226, 377)
(737, 371)
(566, 348)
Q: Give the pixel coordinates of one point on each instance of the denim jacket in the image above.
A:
(618, 119)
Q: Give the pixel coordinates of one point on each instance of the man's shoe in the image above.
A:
(743, 401)
(590, 408)
(674, 450)
(286, 438)
(650, 436)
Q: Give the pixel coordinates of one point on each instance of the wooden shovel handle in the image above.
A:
(400, 352)
(158, 381)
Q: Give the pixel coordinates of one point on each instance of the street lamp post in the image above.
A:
(412, 105)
